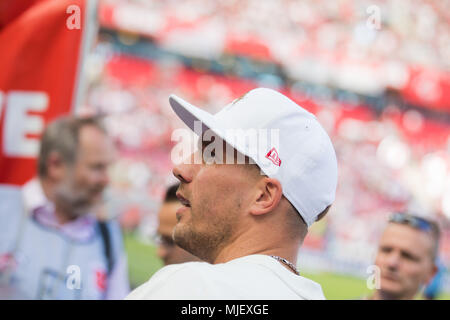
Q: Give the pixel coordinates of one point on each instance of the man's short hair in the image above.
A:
(425, 225)
(297, 221)
(62, 136)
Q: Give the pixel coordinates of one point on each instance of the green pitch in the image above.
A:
(143, 263)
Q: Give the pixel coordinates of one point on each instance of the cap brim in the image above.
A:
(189, 114)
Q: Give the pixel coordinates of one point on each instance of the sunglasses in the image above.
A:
(413, 221)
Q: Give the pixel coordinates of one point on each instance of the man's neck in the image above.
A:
(248, 244)
(48, 188)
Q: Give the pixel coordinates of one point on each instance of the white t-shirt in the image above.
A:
(250, 277)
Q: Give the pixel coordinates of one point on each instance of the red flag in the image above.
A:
(43, 43)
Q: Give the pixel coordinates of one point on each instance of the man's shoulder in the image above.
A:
(176, 281)
(194, 269)
(236, 279)
(11, 208)
(187, 269)
(11, 197)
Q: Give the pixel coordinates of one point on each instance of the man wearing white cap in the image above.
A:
(247, 219)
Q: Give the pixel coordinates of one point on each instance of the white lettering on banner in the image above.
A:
(18, 123)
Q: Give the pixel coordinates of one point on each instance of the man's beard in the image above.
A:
(204, 245)
(74, 202)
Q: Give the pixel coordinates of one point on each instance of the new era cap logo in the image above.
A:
(272, 155)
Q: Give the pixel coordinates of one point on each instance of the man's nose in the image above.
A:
(104, 178)
(393, 260)
(182, 173)
(185, 171)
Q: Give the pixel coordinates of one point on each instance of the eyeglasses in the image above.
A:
(413, 221)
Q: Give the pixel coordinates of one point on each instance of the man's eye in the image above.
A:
(410, 256)
(385, 249)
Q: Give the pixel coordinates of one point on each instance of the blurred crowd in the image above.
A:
(390, 157)
(363, 46)
(376, 75)
(386, 162)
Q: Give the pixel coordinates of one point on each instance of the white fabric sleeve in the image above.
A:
(177, 282)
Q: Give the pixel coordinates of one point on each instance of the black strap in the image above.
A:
(107, 247)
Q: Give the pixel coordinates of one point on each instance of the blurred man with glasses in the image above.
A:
(406, 256)
(168, 251)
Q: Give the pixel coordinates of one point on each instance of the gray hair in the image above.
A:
(62, 136)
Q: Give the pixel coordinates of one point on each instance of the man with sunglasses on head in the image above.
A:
(406, 256)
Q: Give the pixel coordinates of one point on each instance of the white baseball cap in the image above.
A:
(300, 155)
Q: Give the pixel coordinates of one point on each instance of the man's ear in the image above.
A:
(433, 272)
(268, 196)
